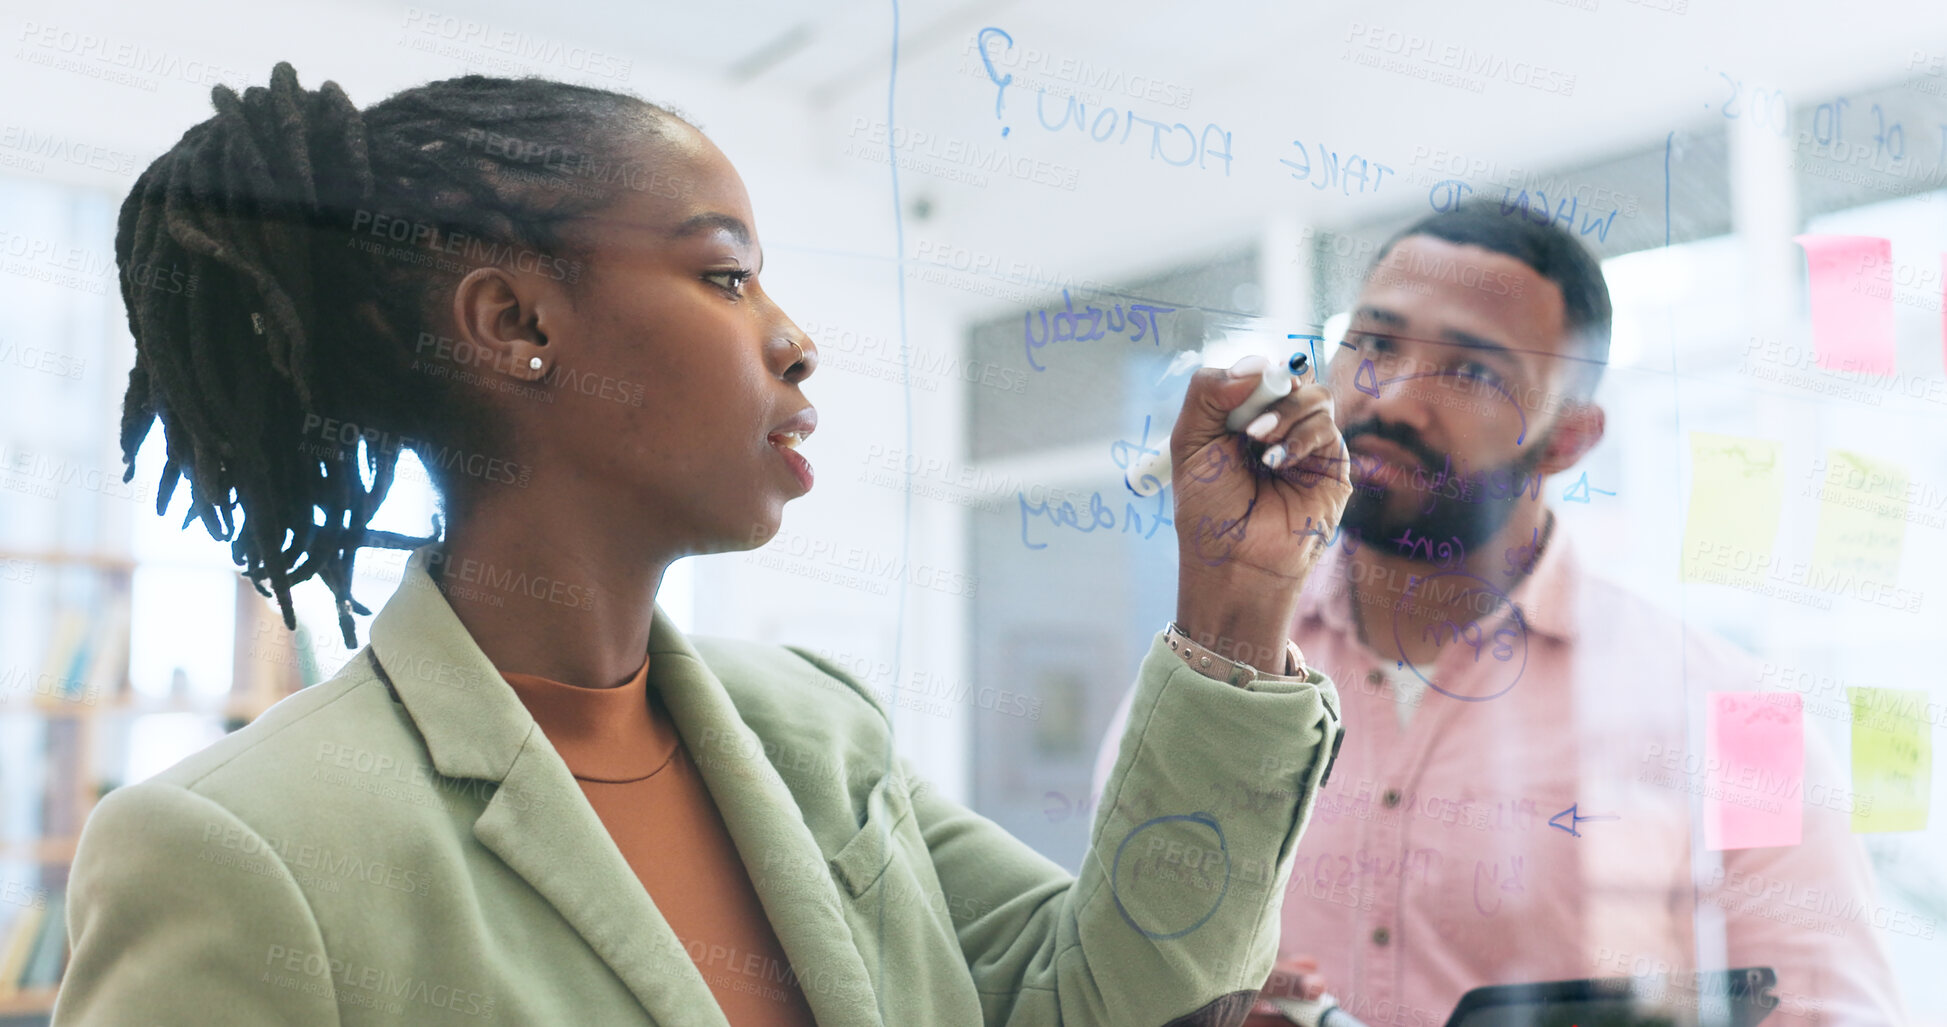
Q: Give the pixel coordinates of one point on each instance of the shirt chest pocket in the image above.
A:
(861, 861)
(901, 917)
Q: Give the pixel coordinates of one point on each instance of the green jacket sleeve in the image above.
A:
(1174, 917)
(179, 914)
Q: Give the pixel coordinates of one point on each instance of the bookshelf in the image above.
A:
(74, 704)
(38, 1001)
(87, 574)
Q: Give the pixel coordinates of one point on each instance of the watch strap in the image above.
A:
(1212, 664)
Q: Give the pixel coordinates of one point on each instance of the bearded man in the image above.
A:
(1516, 796)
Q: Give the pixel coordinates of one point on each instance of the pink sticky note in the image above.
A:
(1754, 759)
(1852, 302)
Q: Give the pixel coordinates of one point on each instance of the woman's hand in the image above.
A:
(1296, 977)
(1248, 533)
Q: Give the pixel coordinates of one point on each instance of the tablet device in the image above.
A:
(1718, 998)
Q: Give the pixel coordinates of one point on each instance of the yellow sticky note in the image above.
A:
(1862, 519)
(1735, 499)
(1892, 759)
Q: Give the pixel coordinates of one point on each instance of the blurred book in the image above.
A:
(66, 645)
(19, 942)
(307, 658)
(87, 654)
(107, 674)
(50, 955)
(61, 816)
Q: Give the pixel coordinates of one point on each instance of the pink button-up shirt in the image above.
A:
(1430, 865)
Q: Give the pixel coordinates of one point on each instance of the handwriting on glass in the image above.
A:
(1092, 323)
(1511, 884)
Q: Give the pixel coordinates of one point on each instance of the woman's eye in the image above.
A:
(1477, 370)
(731, 282)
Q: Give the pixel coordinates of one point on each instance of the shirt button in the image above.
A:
(1381, 936)
(1391, 798)
(1373, 677)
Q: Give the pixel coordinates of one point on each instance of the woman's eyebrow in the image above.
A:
(712, 220)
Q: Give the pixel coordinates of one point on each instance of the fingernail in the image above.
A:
(1250, 366)
(1274, 456)
(1262, 426)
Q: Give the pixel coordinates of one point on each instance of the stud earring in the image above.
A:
(534, 362)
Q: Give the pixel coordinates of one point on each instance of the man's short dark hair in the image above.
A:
(1551, 251)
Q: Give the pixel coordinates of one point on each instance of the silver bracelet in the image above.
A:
(1212, 665)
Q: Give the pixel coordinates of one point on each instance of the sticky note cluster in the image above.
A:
(1892, 759)
(1755, 745)
(1862, 519)
(1852, 307)
(1736, 495)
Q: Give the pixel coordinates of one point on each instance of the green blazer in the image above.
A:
(400, 844)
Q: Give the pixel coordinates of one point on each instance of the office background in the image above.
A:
(1687, 142)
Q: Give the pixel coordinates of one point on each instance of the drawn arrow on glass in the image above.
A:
(1574, 818)
(1579, 492)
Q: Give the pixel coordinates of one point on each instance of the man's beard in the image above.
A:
(1437, 514)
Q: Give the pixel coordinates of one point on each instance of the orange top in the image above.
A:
(623, 748)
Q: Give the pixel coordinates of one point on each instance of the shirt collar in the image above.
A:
(1547, 596)
(613, 735)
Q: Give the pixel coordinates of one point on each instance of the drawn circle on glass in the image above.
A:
(1115, 870)
(1520, 623)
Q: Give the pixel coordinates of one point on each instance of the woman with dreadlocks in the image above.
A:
(529, 799)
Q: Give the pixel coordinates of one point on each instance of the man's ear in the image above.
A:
(1578, 431)
(496, 312)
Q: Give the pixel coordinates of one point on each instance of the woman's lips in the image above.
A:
(800, 467)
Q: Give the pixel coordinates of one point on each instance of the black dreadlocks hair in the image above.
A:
(297, 315)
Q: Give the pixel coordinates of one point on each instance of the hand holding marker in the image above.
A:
(1151, 474)
(1322, 1011)
(1308, 425)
